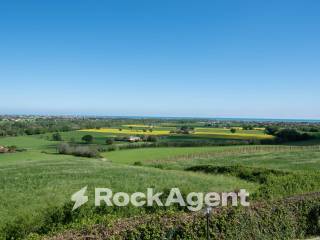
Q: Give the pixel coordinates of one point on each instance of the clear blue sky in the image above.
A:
(161, 58)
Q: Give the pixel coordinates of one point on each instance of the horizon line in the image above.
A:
(157, 116)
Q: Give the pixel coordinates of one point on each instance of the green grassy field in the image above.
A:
(33, 180)
(272, 157)
(39, 178)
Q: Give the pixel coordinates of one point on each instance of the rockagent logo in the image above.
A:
(194, 201)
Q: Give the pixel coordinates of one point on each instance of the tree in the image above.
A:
(109, 141)
(185, 129)
(87, 138)
(314, 129)
(271, 130)
(247, 127)
(29, 131)
(151, 138)
(56, 137)
(288, 134)
(233, 130)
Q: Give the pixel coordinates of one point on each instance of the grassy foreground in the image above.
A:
(39, 179)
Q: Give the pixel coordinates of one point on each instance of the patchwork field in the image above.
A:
(219, 133)
(38, 178)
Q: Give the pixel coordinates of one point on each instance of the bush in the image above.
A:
(64, 148)
(291, 218)
(277, 186)
(77, 150)
(247, 127)
(271, 130)
(274, 183)
(151, 138)
(12, 148)
(259, 175)
(233, 130)
(313, 129)
(109, 141)
(56, 137)
(112, 148)
(286, 219)
(87, 138)
(183, 130)
(288, 135)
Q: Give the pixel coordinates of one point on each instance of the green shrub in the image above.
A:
(112, 148)
(285, 185)
(274, 183)
(287, 219)
(288, 135)
(87, 138)
(259, 175)
(78, 150)
(56, 137)
(290, 218)
(109, 141)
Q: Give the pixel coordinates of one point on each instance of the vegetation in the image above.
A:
(8, 149)
(288, 135)
(56, 137)
(274, 183)
(87, 138)
(78, 150)
(36, 184)
(109, 141)
(291, 218)
(271, 130)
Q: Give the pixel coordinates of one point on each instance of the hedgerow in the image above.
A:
(273, 183)
(77, 150)
(259, 175)
(193, 143)
(267, 218)
(291, 218)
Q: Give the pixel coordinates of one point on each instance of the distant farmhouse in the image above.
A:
(134, 139)
(4, 149)
(9, 149)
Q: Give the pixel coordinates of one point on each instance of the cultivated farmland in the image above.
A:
(37, 180)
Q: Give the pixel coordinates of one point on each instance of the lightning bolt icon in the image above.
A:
(79, 198)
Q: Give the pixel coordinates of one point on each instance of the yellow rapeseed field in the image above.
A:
(204, 132)
(127, 131)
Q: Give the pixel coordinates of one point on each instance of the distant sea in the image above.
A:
(226, 119)
(269, 120)
(176, 118)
